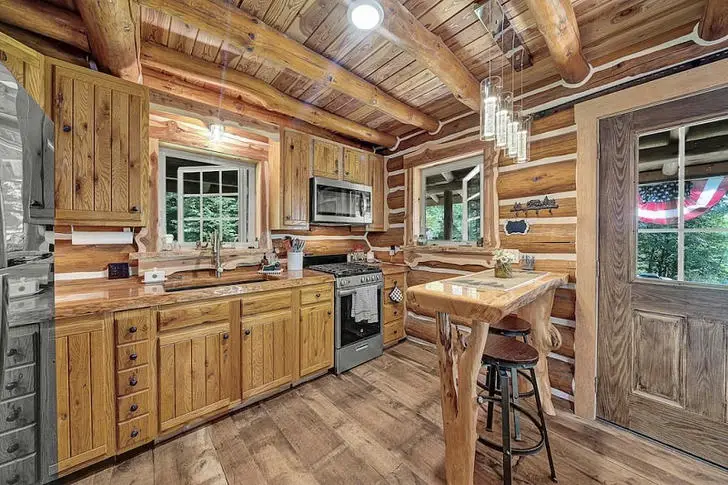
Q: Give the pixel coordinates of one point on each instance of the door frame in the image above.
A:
(687, 83)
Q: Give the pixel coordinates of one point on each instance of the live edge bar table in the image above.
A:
(482, 299)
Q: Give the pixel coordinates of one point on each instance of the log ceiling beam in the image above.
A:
(714, 24)
(46, 20)
(403, 29)
(251, 34)
(113, 28)
(557, 23)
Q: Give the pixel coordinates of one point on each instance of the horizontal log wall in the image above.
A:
(323, 240)
(551, 238)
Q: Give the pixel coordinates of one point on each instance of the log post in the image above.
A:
(714, 24)
(447, 214)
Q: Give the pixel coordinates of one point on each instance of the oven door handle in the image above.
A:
(341, 293)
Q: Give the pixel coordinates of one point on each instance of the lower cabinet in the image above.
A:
(194, 373)
(268, 352)
(84, 391)
(316, 348)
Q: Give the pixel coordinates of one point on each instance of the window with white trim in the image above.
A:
(205, 193)
(451, 201)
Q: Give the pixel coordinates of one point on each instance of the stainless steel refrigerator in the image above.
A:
(27, 377)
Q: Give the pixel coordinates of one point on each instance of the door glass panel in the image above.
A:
(657, 257)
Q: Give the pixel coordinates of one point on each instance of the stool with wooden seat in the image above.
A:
(506, 356)
(511, 326)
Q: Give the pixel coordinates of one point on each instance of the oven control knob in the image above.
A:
(345, 281)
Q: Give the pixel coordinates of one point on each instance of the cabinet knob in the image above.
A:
(13, 448)
(12, 352)
(329, 312)
(135, 209)
(133, 381)
(35, 204)
(11, 385)
(133, 407)
(247, 331)
(225, 336)
(66, 128)
(15, 414)
(318, 295)
(133, 357)
(134, 433)
(132, 329)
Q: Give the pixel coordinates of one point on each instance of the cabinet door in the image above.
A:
(356, 166)
(84, 392)
(25, 64)
(268, 352)
(294, 178)
(195, 367)
(326, 159)
(316, 338)
(101, 135)
(379, 202)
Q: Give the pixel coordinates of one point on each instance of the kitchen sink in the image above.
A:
(199, 281)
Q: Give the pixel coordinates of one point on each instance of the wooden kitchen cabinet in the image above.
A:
(101, 146)
(379, 199)
(356, 166)
(84, 391)
(194, 373)
(294, 178)
(268, 352)
(316, 344)
(25, 64)
(326, 157)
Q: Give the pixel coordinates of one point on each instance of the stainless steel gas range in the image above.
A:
(359, 289)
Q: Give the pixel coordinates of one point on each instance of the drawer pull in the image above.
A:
(225, 336)
(13, 448)
(66, 128)
(134, 433)
(13, 480)
(15, 415)
(133, 357)
(12, 385)
(133, 407)
(318, 295)
(133, 381)
(247, 331)
(132, 329)
(12, 352)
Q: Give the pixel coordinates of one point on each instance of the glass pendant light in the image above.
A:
(490, 89)
(505, 114)
(524, 140)
(512, 135)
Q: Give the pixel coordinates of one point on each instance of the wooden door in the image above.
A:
(294, 178)
(195, 370)
(356, 166)
(316, 349)
(663, 328)
(326, 156)
(379, 200)
(102, 127)
(25, 64)
(84, 391)
(268, 352)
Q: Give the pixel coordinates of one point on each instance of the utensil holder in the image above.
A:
(295, 261)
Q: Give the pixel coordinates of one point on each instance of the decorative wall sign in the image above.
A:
(516, 227)
(535, 205)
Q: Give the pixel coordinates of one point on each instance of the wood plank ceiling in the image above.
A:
(609, 29)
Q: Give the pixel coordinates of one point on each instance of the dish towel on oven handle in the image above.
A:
(365, 304)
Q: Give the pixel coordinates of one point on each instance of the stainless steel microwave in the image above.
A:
(339, 202)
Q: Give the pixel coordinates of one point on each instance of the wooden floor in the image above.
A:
(380, 423)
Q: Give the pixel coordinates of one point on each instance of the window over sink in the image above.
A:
(203, 193)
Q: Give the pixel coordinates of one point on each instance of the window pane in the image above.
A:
(211, 207)
(171, 213)
(211, 182)
(230, 231)
(192, 183)
(706, 203)
(446, 201)
(230, 181)
(230, 207)
(208, 227)
(706, 257)
(191, 231)
(657, 198)
(191, 207)
(657, 255)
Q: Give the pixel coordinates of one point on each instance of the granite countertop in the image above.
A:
(80, 297)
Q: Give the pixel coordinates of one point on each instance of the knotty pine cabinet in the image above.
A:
(101, 146)
(316, 344)
(356, 166)
(26, 65)
(326, 158)
(377, 180)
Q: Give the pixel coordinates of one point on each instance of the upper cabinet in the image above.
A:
(326, 158)
(379, 199)
(25, 64)
(101, 141)
(356, 166)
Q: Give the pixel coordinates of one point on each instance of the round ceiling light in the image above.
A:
(365, 14)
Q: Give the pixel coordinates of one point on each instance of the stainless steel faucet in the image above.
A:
(216, 242)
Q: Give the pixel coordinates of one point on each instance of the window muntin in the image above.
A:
(682, 204)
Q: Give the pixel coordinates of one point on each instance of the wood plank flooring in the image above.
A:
(380, 424)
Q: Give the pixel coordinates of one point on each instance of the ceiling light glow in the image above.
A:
(365, 14)
(216, 131)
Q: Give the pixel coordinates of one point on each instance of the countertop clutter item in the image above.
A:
(154, 276)
(118, 270)
(294, 249)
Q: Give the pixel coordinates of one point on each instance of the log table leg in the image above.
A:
(543, 335)
(459, 365)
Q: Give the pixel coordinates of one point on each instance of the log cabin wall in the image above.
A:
(551, 238)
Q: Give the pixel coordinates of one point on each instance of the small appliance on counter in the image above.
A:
(358, 309)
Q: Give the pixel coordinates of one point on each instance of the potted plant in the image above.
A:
(503, 261)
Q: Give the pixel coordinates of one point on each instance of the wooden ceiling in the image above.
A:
(609, 29)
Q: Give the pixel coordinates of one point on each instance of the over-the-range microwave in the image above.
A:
(340, 202)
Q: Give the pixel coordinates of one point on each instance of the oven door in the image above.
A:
(340, 202)
(348, 331)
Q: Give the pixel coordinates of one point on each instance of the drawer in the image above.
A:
(393, 331)
(392, 280)
(21, 350)
(132, 326)
(17, 413)
(266, 301)
(393, 311)
(132, 406)
(132, 380)
(132, 355)
(194, 314)
(19, 472)
(133, 433)
(17, 443)
(18, 382)
(316, 293)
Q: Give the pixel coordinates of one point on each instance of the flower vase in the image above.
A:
(503, 269)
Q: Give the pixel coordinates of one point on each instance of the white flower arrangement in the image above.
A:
(505, 256)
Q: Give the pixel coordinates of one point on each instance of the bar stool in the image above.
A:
(504, 355)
